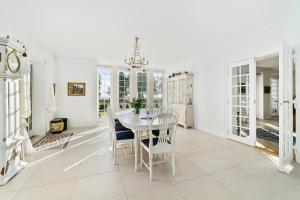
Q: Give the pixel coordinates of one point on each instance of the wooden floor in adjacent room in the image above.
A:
(266, 145)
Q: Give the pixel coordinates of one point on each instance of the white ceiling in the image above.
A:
(269, 62)
(170, 30)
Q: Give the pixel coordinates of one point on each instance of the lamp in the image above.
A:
(136, 60)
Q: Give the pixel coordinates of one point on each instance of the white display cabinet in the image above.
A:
(12, 60)
(180, 98)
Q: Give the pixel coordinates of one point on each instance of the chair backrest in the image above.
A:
(164, 109)
(150, 107)
(167, 124)
(109, 114)
(111, 122)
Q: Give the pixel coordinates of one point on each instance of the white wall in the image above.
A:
(210, 69)
(80, 110)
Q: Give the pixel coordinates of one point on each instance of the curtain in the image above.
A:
(25, 108)
(51, 107)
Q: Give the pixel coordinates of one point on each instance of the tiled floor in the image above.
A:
(208, 167)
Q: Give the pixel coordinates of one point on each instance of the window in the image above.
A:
(104, 90)
(29, 81)
(124, 91)
(12, 108)
(158, 89)
(142, 87)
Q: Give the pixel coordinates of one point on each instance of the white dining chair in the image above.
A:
(164, 143)
(161, 110)
(119, 135)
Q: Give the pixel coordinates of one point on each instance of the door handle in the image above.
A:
(286, 101)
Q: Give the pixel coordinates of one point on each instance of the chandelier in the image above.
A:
(136, 61)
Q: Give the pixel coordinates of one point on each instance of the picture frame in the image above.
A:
(76, 89)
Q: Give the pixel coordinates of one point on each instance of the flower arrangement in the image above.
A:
(136, 104)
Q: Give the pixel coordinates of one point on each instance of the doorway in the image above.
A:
(267, 103)
(261, 104)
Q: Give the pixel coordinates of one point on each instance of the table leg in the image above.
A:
(136, 149)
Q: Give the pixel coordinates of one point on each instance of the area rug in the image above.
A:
(53, 141)
(270, 135)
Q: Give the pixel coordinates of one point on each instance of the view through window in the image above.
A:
(124, 90)
(29, 81)
(142, 87)
(158, 89)
(104, 90)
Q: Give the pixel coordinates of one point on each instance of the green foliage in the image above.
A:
(136, 103)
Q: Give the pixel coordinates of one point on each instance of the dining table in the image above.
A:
(138, 123)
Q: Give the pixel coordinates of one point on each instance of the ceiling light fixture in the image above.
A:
(136, 60)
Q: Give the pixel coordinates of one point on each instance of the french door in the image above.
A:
(241, 101)
(286, 104)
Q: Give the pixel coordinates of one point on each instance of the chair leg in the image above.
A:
(173, 163)
(114, 152)
(141, 156)
(132, 144)
(150, 165)
(113, 147)
(111, 138)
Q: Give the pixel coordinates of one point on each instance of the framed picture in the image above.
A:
(76, 89)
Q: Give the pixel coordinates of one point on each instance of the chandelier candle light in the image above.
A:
(136, 61)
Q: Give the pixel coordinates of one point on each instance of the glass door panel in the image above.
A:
(242, 122)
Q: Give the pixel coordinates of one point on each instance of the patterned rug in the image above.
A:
(53, 141)
(271, 135)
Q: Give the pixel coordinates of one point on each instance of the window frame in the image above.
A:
(145, 84)
(154, 88)
(124, 87)
(99, 91)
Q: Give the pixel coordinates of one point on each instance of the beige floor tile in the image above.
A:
(102, 186)
(57, 191)
(159, 193)
(184, 170)
(211, 163)
(97, 164)
(204, 188)
(7, 195)
(268, 172)
(188, 150)
(139, 182)
(288, 194)
(244, 184)
(21, 179)
(97, 148)
(296, 187)
(57, 170)
(225, 159)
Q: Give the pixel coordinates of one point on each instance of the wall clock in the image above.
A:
(13, 62)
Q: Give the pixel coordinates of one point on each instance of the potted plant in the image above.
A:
(136, 104)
